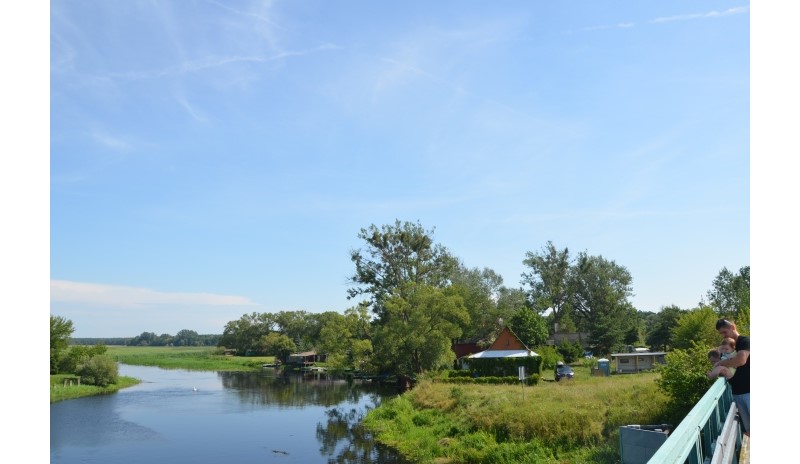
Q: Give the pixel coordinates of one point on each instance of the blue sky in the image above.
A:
(210, 159)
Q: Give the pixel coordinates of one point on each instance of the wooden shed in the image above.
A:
(305, 358)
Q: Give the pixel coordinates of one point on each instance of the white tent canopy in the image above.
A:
(502, 354)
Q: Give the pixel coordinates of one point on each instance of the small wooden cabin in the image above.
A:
(305, 358)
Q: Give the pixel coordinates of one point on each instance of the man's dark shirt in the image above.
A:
(740, 382)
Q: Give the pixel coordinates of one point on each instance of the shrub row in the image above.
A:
(505, 366)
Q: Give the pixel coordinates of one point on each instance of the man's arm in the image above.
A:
(737, 360)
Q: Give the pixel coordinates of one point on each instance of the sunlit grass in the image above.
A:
(61, 390)
(200, 358)
(574, 420)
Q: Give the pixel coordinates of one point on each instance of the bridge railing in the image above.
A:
(709, 432)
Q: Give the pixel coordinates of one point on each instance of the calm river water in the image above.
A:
(178, 416)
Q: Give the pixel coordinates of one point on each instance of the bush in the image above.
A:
(570, 351)
(549, 357)
(486, 367)
(451, 374)
(99, 370)
(459, 380)
(683, 378)
(77, 355)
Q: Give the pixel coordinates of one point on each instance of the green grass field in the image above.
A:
(572, 421)
(190, 357)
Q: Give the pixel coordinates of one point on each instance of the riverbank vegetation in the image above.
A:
(83, 366)
(186, 357)
(66, 387)
(554, 422)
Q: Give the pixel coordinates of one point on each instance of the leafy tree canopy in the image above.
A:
(730, 295)
(396, 255)
(599, 292)
(548, 279)
(696, 328)
(481, 290)
(530, 327)
(419, 323)
(60, 331)
(659, 327)
(278, 345)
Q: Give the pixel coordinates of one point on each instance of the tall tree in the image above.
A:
(186, 337)
(659, 330)
(730, 296)
(397, 255)
(278, 345)
(417, 327)
(480, 290)
(244, 334)
(60, 331)
(530, 327)
(345, 339)
(299, 326)
(548, 279)
(600, 289)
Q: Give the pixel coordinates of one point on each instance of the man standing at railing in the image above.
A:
(740, 382)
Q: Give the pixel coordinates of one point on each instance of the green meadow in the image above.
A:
(571, 421)
(199, 358)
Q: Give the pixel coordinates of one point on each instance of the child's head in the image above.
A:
(728, 346)
(714, 356)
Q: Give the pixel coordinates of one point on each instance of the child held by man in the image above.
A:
(725, 351)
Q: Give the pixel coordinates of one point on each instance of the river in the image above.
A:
(179, 416)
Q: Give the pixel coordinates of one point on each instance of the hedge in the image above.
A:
(503, 367)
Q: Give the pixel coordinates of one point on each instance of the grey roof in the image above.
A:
(646, 353)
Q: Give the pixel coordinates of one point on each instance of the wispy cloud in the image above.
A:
(710, 14)
(190, 109)
(666, 19)
(193, 66)
(120, 296)
(109, 141)
(258, 16)
(625, 25)
(62, 54)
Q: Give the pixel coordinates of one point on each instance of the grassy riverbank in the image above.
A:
(59, 391)
(573, 421)
(197, 358)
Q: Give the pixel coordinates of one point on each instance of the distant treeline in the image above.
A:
(182, 338)
(99, 341)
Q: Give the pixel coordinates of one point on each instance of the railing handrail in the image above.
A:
(725, 447)
(685, 438)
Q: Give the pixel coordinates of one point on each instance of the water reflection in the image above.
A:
(211, 417)
(292, 389)
(343, 437)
